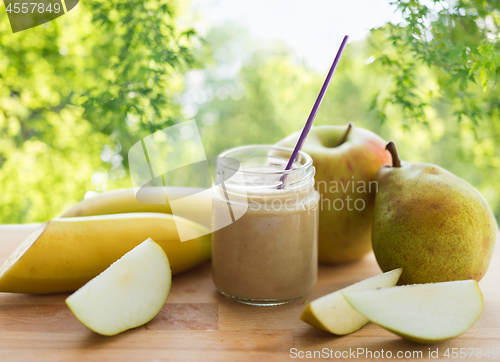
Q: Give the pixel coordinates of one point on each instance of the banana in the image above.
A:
(64, 254)
(196, 207)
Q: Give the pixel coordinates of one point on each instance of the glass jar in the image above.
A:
(267, 255)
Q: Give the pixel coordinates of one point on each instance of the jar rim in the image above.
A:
(307, 164)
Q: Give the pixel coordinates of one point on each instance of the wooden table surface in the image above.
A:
(198, 324)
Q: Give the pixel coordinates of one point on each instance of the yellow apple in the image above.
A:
(128, 294)
(346, 160)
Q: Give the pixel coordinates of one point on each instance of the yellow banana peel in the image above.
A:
(64, 254)
(197, 207)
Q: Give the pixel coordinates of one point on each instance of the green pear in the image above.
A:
(346, 162)
(331, 313)
(431, 223)
(422, 313)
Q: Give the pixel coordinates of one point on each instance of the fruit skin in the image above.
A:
(422, 297)
(64, 254)
(108, 303)
(319, 312)
(199, 207)
(343, 235)
(433, 224)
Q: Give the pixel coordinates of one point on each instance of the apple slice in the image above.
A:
(333, 314)
(423, 313)
(128, 294)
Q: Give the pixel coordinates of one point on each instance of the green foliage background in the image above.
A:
(76, 93)
(130, 68)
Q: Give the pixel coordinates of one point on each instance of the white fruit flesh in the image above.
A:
(333, 314)
(424, 313)
(126, 295)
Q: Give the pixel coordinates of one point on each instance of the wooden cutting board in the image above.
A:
(198, 324)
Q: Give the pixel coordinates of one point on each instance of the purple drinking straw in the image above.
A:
(315, 108)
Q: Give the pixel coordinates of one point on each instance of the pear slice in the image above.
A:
(128, 294)
(333, 314)
(422, 313)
